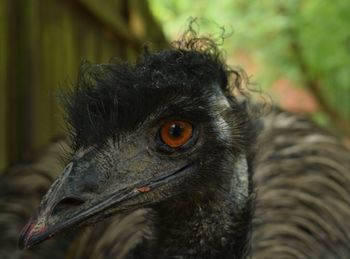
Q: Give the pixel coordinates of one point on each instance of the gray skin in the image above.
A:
(197, 206)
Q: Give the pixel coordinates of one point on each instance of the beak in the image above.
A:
(73, 200)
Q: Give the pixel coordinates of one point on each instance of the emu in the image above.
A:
(169, 163)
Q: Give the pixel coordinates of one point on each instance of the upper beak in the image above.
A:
(68, 204)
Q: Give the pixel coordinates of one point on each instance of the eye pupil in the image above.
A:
(175, 130)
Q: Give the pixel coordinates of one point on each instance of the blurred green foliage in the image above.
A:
(307, 42)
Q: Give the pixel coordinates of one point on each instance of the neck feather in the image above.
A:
(215, 223)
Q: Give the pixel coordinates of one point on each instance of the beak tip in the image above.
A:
(27, 234)
(23, 239)
(33, 233)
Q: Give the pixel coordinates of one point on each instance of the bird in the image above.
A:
(143, 138)
(170, 158)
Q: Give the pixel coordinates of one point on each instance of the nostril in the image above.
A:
(66, 204)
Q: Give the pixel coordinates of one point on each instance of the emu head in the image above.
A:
(145, 133)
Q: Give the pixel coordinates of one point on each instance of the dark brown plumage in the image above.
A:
(303, 191)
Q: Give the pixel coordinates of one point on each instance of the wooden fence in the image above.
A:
(41, 45)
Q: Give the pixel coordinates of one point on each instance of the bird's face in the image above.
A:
(136, 148)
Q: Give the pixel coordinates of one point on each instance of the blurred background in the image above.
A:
(297, 51)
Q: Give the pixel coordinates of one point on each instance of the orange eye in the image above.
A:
(176, 133)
